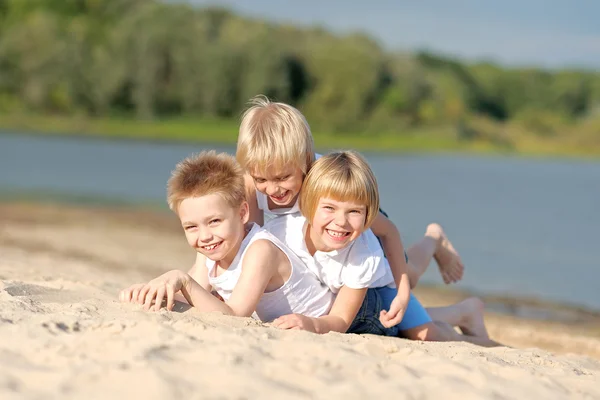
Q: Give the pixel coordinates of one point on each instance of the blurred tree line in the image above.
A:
(150, 59)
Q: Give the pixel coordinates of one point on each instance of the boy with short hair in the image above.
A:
(247, 266)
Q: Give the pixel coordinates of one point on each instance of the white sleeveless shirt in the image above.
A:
(302, 293)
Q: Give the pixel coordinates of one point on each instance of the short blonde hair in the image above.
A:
(206, 173)
(273, 136)
(341, 176)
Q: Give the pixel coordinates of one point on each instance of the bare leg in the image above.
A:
(435, 244)
(467, 315)
(419, 257)
(433, 332)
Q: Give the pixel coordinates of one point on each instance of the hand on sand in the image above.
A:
(295, 321)
(161, 288)
(130, 295)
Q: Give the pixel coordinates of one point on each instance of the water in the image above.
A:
(524, 227)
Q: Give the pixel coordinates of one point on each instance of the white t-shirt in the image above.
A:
(302, 293)
(359, 265)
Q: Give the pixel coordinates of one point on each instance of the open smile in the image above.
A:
(337, 235)
(281, 197)
(212, 247)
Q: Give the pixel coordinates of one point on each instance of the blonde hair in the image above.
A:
(206, 173)
(341, 176)
(274, 135)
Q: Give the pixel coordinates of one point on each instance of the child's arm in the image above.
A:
(394, 251)
(257, 271)
(199, 273)
(256, 214)
(340, 317)
(136, 293)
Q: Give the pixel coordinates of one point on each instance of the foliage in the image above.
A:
(150, 60)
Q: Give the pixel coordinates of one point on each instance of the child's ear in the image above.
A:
(245, 212)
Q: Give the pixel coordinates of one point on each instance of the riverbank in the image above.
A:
(64, 334)
(215, 131)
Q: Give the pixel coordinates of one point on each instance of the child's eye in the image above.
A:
(214, 221)
(355, 212)
(328, 208)
(259, 180)
(283, 178)
(189, 227)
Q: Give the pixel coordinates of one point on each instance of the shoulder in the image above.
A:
(365, 248)
(260, 250)
(370, 242)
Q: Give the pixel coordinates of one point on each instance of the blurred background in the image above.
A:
(480, 115)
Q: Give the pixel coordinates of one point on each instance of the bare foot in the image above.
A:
(472, 323)
(446, 257)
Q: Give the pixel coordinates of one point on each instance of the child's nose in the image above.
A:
(272, 189)
(340, 219)
(204, 235)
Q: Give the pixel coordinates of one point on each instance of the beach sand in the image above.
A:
(63, 333)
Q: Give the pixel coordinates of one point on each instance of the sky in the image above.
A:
(550, 33)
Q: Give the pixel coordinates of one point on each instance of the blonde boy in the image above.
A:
(247, 266)
(275, 147)
(339, 202)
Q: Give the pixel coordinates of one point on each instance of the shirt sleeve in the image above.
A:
(364, 266)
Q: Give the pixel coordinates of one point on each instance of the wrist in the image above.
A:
(316, 326)
(186, 282)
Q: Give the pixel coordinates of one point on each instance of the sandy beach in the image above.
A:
(63, 333)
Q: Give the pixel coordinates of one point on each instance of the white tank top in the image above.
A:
(302, 293)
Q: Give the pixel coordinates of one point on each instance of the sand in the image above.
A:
(63, 333)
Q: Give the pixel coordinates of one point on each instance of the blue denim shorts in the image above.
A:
(377, 299)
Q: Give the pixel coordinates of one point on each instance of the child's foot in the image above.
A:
(472, 323)
(446, 257)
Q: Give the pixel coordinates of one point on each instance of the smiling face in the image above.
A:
(213, 227)
(336, 224)
(281, 187)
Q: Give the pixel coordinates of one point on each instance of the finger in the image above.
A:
(286, 325)
(160, 294)
(170, 298)
(383, 318)
(278, 322)
(135, 292)
(124, 296)
(149, 298)
(383, 315)
(141, 294)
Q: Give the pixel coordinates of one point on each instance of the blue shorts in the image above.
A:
(377, 299)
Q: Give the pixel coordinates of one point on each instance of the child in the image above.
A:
(275, 147)
(248, 267)
(339, 202)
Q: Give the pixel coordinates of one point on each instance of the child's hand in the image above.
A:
(130, 295)
(397, 308)
(295, 321)
(163, 287)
